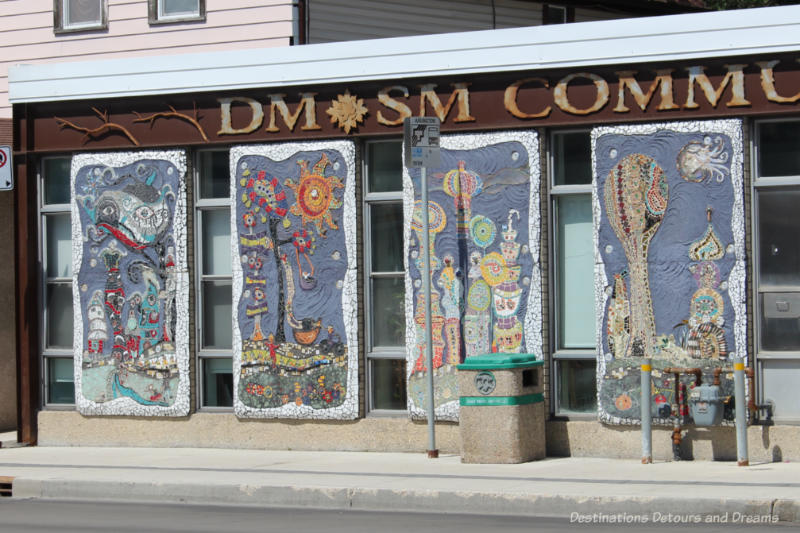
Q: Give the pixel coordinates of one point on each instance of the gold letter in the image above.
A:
(734, 75)
(768, 84)
(510, 99)
(460, 91)
(306, 101)
(402, 109)
(560, 94)
(663, 78)
(225, 115)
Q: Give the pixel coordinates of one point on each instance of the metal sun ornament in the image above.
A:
(347, 111)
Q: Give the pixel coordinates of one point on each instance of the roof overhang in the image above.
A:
(616, 42)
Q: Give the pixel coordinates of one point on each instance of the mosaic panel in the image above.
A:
(295, 338)
(130, 283)
(669, 253)
(485, 272)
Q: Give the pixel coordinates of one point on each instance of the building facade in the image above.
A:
(45, 32)
(230, 243)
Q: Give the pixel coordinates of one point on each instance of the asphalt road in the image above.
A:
(31, 516)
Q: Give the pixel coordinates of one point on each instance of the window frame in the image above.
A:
(156, 16)
(203, 354)
(568, 14)
(47, 353)
(554, 192)
(373, 352)
(60, 24)
(757, 185)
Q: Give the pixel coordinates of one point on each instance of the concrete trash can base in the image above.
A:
(501, 417)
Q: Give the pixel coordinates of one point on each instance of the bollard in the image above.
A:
(741, 412)
(647, 433)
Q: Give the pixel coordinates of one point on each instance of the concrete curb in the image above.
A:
(576, 508)
(11, 441)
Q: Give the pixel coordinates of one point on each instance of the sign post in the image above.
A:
(421, 142)
(6, 174)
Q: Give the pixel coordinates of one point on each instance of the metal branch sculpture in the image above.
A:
(104, 128)
(173, 113)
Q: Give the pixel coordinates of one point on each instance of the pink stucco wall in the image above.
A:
(27, 36)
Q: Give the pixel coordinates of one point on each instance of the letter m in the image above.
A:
(307, 102)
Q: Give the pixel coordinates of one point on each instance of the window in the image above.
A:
(557, 14)
(214, 296)
(166, 11)
(574, 328)
(777, 251)
(56, 293)
(385, 276)
(79, 15)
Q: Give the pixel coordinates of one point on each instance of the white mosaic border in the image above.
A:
(279, 152)
(533, 316)
(736, 282)
(128, 406)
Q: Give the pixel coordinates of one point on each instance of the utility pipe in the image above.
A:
(676, 430)
(751, 401)
(647, 432)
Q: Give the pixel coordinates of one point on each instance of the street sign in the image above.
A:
(6, 174)
(421, 141)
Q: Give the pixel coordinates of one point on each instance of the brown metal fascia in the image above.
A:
(26, 282)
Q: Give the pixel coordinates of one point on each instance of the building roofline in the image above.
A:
(616, 42)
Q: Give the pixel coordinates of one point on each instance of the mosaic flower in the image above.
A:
(482, 230)
(493, 269)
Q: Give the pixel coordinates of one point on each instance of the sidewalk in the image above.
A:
(562, 487)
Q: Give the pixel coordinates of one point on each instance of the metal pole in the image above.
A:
(741, 412)
(647, 432)
(426, 282)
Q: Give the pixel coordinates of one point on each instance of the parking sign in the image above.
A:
(6, 173)
(421, 141)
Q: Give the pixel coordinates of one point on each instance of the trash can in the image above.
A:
(501, 417)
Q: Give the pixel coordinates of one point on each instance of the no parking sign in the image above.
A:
(6, 175)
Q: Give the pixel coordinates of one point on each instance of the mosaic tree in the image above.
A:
(266, 199)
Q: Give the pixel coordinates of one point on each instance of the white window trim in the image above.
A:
(203, 354)
(156, 15)
(61, 25)
(376, 352)
(560, 354)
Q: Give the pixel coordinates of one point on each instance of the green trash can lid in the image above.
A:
(500, 360)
